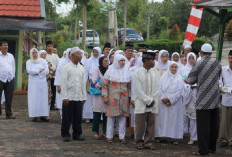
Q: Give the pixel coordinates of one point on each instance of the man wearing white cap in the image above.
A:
(187, 49)
(73, 89)
(206, 74)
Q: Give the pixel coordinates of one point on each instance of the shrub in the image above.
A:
(174, 33)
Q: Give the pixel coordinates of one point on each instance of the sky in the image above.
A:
(64, 9)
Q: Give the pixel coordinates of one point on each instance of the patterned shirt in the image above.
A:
(206, 74)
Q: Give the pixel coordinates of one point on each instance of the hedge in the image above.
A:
(171, 45)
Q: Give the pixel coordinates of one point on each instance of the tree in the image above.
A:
(174, 33)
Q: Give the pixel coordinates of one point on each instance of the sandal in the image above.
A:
(96, 136)
(123, 141)
(175, 142)
(109, 140)
(34, 119)
(140, 146)
(104, 135)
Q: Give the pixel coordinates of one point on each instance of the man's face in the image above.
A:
(151, 63)
(230, 60)
(4, 47)
(49, 48)
(76, 57)
(106, 51)
(54, 50)
(129, 53)
(186, 51)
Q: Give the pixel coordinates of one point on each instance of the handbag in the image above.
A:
(93, 90)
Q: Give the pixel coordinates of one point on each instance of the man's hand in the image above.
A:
(58, 89)
(41, 70)
(152, 104)
(186, 80)
(83, 101)
(65, 101)
(106, 100)
(133, 103)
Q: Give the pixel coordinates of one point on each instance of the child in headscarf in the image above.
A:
(189, 100)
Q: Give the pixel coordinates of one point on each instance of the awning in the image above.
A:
(33, 24)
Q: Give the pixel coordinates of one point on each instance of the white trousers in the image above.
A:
(190, 125)
(110, 127)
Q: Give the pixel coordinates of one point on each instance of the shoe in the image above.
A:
(34, 119)
(10, 117)
(44, 119)
(66, 139)
(79, 138)
(96, 136)
(191, 142)
(87, 121)
(223, 144)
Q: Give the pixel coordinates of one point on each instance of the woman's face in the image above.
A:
(157, 56)
(164, 58)
(86, 55)
(43, 56)
(105, 62)
(35, 54)
(173, 68)
(95, 53)
(121, 63)
(111, 58)
(191, 60)
(175, 58)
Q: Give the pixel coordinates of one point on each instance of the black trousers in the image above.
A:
(53, 93)
(207, 130)
(72, 114)
(8, 88)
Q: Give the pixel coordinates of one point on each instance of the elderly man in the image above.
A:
(206, 73)
(73, 89)
(7, 75)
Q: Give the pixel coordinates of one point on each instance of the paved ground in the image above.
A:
(23, 138)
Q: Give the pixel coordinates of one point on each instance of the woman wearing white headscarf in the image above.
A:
(116, 91)
(163, 62)
(37, 69)
(176, 58)
(57, 81)
(83, 59)
(91, 64)
(189, 100)
(170, 119)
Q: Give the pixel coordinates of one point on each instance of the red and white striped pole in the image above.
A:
(193, 25)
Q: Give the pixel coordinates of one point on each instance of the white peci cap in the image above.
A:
(206, 48)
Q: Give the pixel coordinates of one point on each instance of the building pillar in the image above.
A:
(19, 62)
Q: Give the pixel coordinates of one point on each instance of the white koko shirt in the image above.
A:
(73, 85)
(7, 67)
(226, 83)
(146, 88)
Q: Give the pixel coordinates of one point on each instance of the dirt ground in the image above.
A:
(23, 138)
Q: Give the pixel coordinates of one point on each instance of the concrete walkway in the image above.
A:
(23, 138)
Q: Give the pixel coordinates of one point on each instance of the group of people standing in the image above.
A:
(163, 99)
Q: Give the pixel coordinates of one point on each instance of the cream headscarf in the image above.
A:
(161, 65)
(170, 83)
(116, 73)
(38, 59)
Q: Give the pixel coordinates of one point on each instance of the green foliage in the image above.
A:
(24, 73)
(163, 23)
(164, 34)
(173, 46)
(229, 31)
(174, 33)
(64, 45)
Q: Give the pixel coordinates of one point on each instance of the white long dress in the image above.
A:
(170, 119)
(90, 65)
(3, 98)
(37, 89)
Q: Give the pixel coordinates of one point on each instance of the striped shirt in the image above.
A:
(206, 73)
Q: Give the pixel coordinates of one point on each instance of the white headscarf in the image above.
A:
(31, 57)
(176, 53)
(42, 52)
(83, 59)
(161, 65)
(92, 62)
(187, 68)
(119, 52)
(117, 74)
(170, 83)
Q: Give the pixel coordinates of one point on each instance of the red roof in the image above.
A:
(20, 8)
